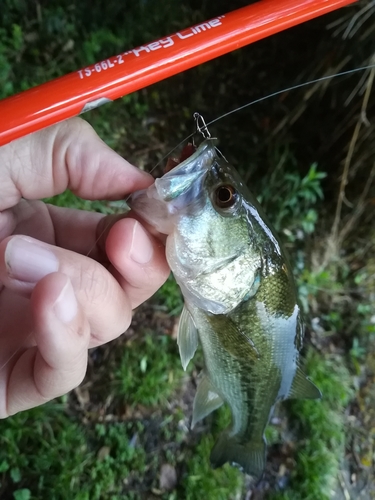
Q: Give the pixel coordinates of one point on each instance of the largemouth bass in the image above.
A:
(240, 299)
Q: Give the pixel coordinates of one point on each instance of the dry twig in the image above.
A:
(335, 238)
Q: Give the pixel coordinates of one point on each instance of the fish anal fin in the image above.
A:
(249, 456)
(206, 401)
(187, 338)
(303, 388)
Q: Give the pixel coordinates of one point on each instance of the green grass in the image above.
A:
(68, 199)
(49, 454)
(225, 483)
(321, 430)
(294, 210)
(149, 370)
(41, 449)
(170, 297)
(52, 453)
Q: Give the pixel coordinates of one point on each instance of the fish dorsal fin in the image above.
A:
(206, 400)
(303, 388)
(187, 338)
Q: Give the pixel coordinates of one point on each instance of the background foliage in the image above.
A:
(309, 155)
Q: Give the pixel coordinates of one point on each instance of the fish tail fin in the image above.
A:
(251, 457)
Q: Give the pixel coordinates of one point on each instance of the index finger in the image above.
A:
(67, 155)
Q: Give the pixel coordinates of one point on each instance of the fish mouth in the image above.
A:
(159, 204)
(188, 174)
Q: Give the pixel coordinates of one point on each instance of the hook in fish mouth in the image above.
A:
(201, 126)
(186, 174)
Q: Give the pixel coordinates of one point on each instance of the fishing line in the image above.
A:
(240, 108)
(15, 352)
(264, 98)
(251, 103)
(294, 87)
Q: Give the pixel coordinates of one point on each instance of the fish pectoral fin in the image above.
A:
(250, 457)
(206, 400)
(187, 338)
(303, 388)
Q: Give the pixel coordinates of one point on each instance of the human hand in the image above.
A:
(56, 301)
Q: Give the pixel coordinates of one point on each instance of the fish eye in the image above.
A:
(225, 196)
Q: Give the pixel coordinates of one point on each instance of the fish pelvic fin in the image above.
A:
(187, 338)
(206, 400)
(303, 388)
(250, 457)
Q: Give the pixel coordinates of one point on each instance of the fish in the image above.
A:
(240, 299)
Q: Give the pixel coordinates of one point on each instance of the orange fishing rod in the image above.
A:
(72, 94)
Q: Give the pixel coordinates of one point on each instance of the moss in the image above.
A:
(149, 370)
(321, 430)
(201, 481)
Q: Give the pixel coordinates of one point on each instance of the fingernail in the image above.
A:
(29, 261)
(141, 250)
(66, 306)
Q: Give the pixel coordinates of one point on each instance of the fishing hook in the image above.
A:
(201, 125)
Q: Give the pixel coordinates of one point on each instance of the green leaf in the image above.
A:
(23, 494)
(143, 364)
(4, 466)
(15, 474)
